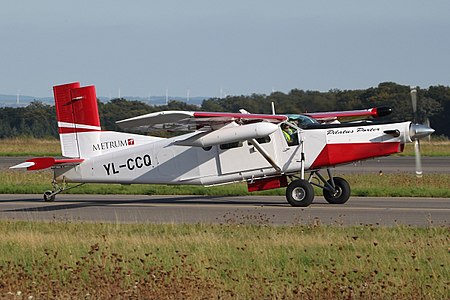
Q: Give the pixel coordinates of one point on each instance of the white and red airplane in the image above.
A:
(219, 148)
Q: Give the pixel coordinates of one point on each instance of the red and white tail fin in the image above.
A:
(79, 124)
(78, 119)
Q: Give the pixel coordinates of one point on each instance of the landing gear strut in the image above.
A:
(336, 190)
(49, 196)
(341, 192)
(300, 192)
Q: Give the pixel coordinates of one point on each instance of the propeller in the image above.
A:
(418, 159)
(417, 155)
(427, 123)
(414, 102)
(418, 131)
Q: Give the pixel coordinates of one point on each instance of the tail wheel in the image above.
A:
(49, 196)
(300, 193)
(342, 193)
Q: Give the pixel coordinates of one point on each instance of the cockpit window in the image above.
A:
(302, 121)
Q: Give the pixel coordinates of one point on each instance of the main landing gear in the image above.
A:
(300, 192)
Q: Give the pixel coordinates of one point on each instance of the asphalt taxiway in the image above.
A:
(264, 210)
(253, 209)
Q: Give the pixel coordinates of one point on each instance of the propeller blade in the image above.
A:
(427, 123)
(414, 103)
(418, 158)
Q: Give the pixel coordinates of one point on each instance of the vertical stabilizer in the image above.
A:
(77, 114)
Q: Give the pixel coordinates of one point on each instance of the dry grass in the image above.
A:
(27, 146)
(432, 148)
(400, 185)
(228, 261)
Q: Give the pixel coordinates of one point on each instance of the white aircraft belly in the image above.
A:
(162, 162)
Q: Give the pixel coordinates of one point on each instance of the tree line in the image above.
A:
(39, 120)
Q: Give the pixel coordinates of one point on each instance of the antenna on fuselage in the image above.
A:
(273, 108)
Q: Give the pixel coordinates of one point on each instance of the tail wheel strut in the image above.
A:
(49, 196)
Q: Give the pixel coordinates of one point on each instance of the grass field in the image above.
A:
(394, 185)
(122, 261)
(51, 147)
(30, 147)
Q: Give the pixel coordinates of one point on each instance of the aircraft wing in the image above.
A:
(350, 115)
(46, 162)
(189, 120)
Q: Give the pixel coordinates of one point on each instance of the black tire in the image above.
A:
(342, 191)
(300, 193)
(48, 197)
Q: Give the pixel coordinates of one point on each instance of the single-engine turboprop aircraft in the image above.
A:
(266, 151)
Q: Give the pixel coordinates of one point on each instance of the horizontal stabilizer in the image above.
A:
(41, 163)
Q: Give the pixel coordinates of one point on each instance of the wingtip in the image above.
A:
(24, 165)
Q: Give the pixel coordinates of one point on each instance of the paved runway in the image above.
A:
(270, 210)
(254, 209)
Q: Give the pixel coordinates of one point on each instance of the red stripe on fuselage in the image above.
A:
(335, 154)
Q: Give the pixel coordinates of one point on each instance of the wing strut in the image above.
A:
(265, 154)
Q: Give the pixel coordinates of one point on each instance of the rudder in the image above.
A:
(77, 112)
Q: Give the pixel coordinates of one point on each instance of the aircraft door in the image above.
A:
(243, 156)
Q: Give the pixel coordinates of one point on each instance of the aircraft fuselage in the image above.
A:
(162, 161)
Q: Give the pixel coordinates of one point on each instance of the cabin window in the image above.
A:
(290, 134)
(231, 145)
(263, 140)
(207, 148)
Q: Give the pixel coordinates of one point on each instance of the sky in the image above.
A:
(217, 47)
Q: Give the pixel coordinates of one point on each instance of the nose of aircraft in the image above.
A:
(418, 131)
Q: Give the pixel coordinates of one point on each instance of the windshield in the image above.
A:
(302, 120)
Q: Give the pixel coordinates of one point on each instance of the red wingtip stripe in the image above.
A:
(41, 163)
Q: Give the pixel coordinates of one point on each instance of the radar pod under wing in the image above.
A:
(189, 120)
(40, 163)
(351, 115)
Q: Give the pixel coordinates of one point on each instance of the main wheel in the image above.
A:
(48, 197)
(342, 191)
(300, 193)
